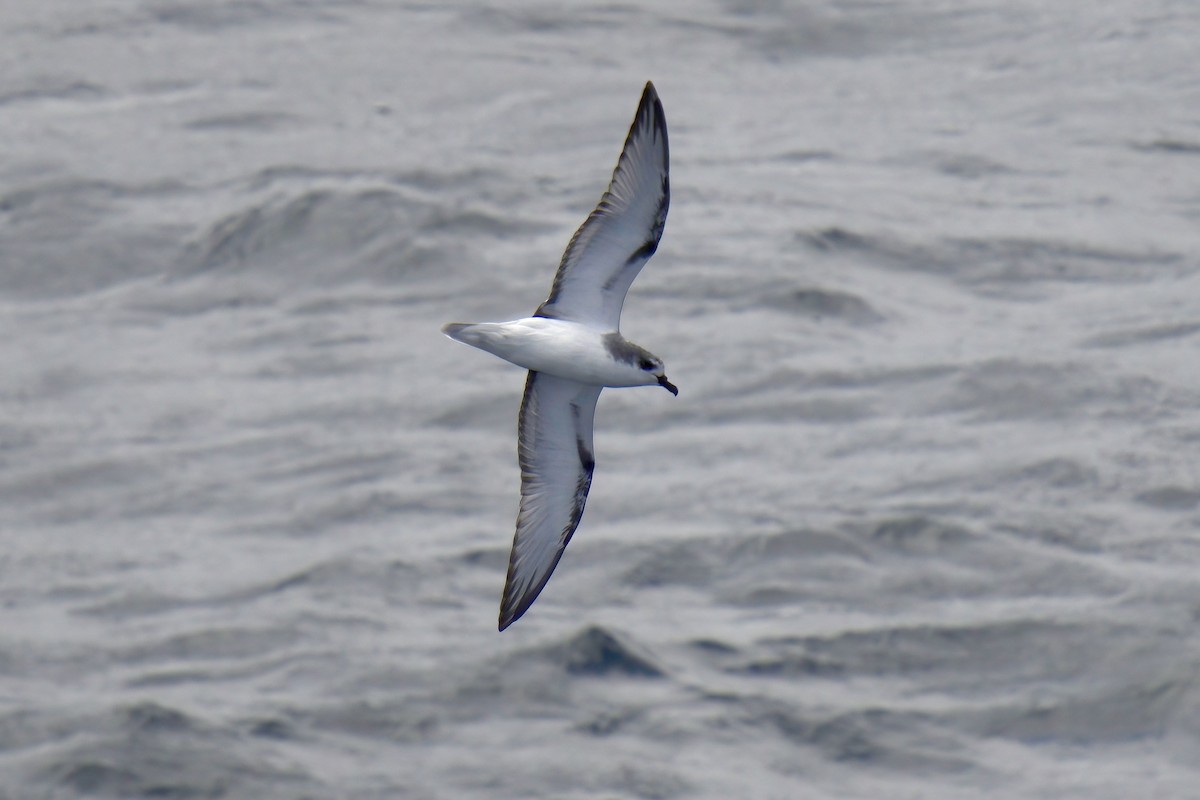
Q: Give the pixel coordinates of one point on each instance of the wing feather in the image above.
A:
(554, 448)
(619, 236)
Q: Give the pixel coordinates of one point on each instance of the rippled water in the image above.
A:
(924, 521)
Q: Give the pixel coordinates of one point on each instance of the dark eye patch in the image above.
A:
(646, 363)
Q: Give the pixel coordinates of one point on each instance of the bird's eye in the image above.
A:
(646, 364)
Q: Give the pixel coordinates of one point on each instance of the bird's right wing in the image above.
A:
(619, 236)
(554, 448)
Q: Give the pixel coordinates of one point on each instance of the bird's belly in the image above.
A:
(580, 365)
(556, 347)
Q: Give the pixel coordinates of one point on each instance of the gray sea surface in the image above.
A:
(924, 521)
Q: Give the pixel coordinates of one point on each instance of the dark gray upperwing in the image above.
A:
(619, 236)
(554, 447)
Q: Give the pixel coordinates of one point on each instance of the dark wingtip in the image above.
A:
(650, 100)
(511, 610)
(513, 607)
(651, 108)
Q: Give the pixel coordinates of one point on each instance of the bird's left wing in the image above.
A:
(554, 448)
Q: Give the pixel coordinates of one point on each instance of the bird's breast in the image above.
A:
(557, 347)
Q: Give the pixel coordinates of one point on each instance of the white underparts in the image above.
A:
(556, 347)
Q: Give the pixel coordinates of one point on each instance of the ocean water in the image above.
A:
(924, 521)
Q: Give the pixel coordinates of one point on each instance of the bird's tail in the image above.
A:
(477, 334)
(458, 331)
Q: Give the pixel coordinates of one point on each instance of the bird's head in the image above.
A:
(656, 372)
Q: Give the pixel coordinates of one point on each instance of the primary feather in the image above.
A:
(619, 236)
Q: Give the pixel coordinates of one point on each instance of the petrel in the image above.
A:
(573, 348)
